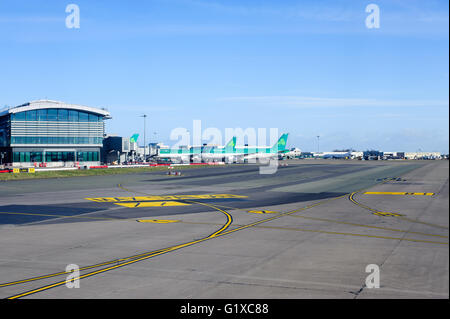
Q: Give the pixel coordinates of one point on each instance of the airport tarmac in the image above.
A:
(307, 231)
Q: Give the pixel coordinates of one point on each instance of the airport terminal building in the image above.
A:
(47, 133)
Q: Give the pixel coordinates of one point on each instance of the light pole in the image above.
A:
(144, 116)
(318, 140)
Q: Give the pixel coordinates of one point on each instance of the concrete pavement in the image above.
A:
(307, 241)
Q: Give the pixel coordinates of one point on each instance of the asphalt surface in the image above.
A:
(307, 231)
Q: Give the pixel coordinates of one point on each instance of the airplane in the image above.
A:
(252, 153)
(338, 156)
(197, 153)
(214, 153)
(229, 153)
(134, 138)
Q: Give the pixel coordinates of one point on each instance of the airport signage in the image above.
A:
(24, 170)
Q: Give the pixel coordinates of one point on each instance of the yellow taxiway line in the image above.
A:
(218, 233)
(61, 216)
(396, 215)
(152, 204)
(397, 193)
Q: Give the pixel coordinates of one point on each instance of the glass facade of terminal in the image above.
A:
(55, 126)
(47, 134)
(38, 157)
(55, 140)
(62, 115)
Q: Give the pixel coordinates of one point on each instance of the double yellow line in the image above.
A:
(370, 226)
(221, 232)
(134, 259)
(374, 211)
(148, 255)
(229, 217)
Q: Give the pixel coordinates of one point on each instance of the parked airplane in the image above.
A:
(251, 153)
(336, 155)
(134, 138)
(197, 153)
(229, 153)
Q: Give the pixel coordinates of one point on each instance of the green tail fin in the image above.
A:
(231, 144)
(134, 138)
(281, 144)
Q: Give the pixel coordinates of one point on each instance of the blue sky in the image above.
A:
(305, 67)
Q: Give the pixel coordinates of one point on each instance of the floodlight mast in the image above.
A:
(144, 116)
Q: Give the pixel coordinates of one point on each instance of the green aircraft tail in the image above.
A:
(231, 144)
(281, 144)
(134, 138)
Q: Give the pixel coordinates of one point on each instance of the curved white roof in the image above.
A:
(49, 104)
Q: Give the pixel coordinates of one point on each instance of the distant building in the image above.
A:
(306, 155)
(393, 155)
(142, 151)
(422, 155)
(116, 149)
(293, 153)
(51, 133)
(333, 155)
(155, 147)
(357, 155)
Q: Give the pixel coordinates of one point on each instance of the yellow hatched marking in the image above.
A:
(217, 234)
(151, 204)
(387, 214)
(262, 212)
(157, 221)
(162, 198)
(397, 193)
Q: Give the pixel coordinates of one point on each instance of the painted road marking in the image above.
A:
(220, 232)
(162, 198)
(229, 217)
(60, 216)
(397, 193)
(328, 232)
(368, 226)
(157, 221)
(140, 256)
(374, 211)
(152, 204)
(217, 234)
(384, 214)
(261, 211)
(353, 234)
